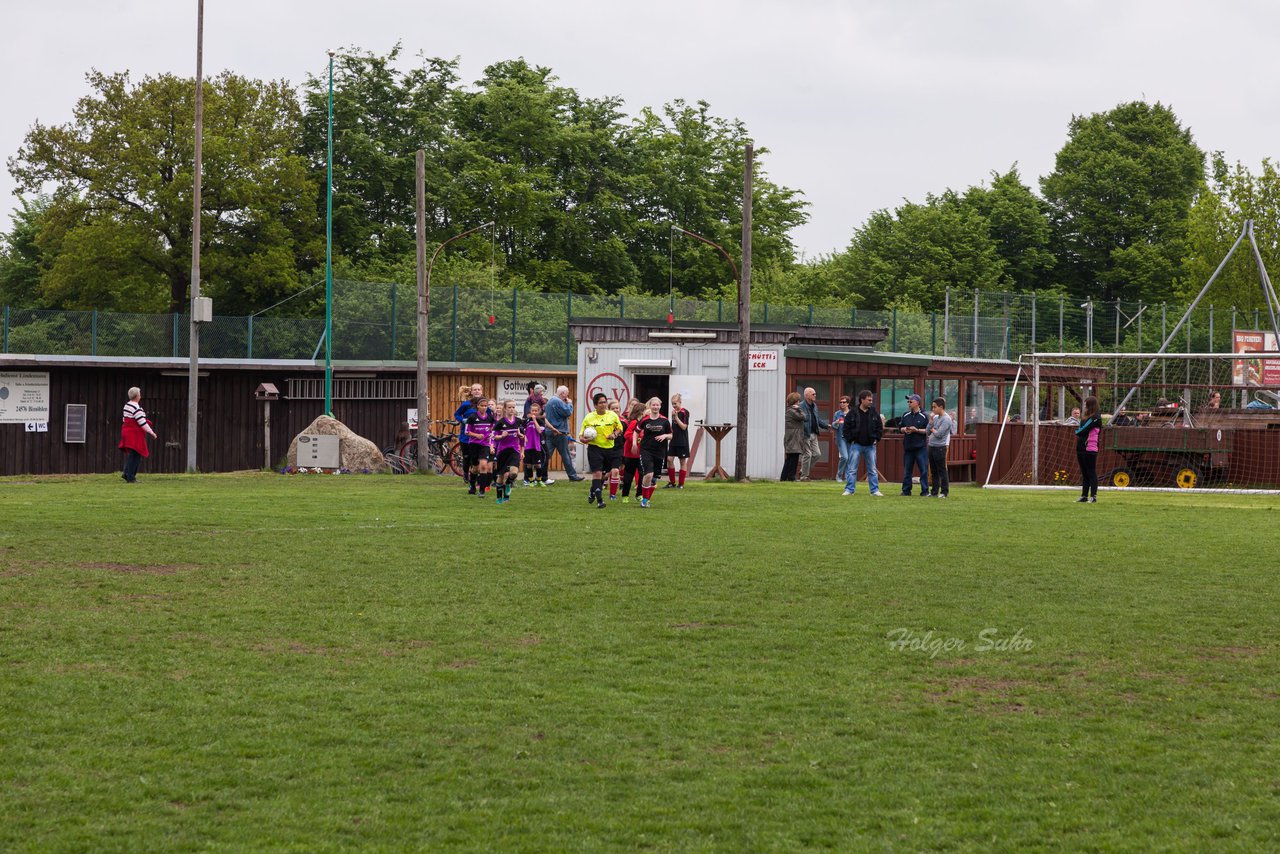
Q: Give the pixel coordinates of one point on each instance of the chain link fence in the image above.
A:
(378, 322)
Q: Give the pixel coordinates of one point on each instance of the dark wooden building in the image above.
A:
(977, 392)
(372, 399)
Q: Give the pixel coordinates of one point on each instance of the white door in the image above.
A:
(693, 394)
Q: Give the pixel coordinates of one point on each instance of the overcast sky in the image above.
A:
(862, 104)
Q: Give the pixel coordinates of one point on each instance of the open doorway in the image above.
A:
(652, 385)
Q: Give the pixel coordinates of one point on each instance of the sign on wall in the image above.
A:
(762, 360)
(612, 385)
(75, 426)
(517, 388)
(24, 397)
(1254, 371)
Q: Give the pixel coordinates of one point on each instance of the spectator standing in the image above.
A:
(538, 395)
(559, 411)
(793, 443)
(813, 425)
(941, 426)
(862, 430)
(915, 454)
(134, 430)
(837, 425)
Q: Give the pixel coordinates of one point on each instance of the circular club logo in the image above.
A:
(611, 385)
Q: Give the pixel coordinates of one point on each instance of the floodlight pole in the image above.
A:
(744, 323)
(424, 307)
(328, 260)
(193, 371)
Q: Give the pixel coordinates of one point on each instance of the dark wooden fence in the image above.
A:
(230, 433)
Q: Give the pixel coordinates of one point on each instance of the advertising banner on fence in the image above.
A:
(24, 397)
(1255, 371)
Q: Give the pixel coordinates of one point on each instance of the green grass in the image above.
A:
(330, 662)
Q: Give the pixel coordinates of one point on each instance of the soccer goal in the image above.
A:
(1188, 421)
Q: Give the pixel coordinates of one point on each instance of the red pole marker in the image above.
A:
(492, 319)
(671, 318)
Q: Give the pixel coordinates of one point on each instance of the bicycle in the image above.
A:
(444, 454)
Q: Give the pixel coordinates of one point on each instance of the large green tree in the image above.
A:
(1119, 198)
(1018, 223)
(911, 256)
(23, 260)
(121, 173)
(583, 196)
(551, 168)
(381, 116)
(690, 173)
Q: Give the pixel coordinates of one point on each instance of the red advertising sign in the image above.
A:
(613, 386)
(1254, 371)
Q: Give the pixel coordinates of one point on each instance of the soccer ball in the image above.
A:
(589, 434)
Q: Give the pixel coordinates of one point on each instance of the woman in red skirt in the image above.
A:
(134, 430)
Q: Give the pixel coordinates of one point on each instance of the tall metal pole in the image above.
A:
(744, 322)
(975, 323)
(328, 261)
(424, 307)
(946, 323)
(193, 371)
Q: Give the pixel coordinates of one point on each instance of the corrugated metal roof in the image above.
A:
(170, 363)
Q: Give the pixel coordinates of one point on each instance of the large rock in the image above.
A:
(354, 452)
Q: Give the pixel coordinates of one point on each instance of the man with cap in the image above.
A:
(914, 426)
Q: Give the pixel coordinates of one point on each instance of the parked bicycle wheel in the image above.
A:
(403, 460)
(454, 463)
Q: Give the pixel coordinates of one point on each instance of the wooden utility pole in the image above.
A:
(744, 323)
(193, 371)
(424, 310)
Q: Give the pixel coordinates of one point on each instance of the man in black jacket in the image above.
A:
(813, 425)
(915, 430)
(862, 429)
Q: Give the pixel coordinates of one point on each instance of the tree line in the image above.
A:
(583, 197)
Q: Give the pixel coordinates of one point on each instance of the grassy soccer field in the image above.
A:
(325, 662)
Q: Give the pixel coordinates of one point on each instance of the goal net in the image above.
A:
(1171, 422)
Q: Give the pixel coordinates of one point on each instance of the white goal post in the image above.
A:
(1172, 422)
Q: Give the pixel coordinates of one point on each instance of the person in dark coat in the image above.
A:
(915, 452)
(793, 441)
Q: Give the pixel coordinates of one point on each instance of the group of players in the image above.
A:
(497, 442)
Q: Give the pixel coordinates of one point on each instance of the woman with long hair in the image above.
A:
(535, 450)
(1087, 436)
(631, 449)
(679, 449)
(598, 431)
(508, 439)
(793, 442)
(479, 429)
(655, 441)
(468, 405)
